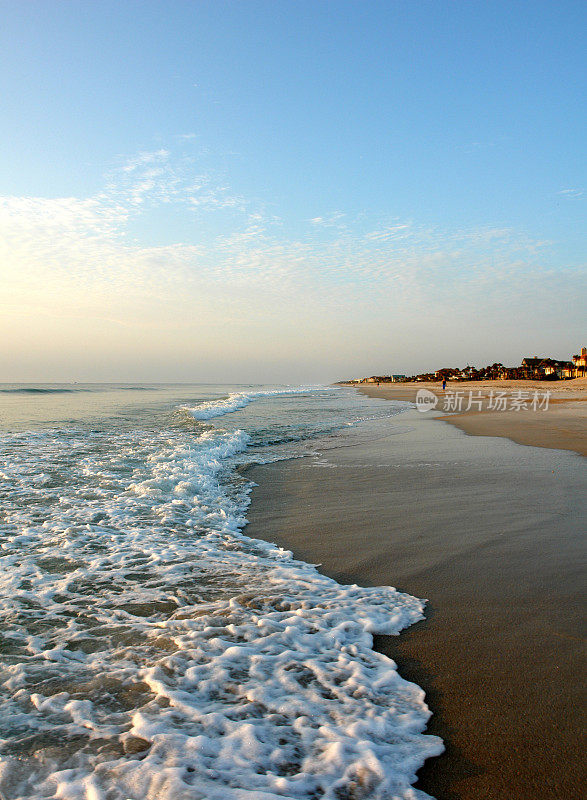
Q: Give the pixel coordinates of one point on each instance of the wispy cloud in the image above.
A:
(571, 193)
(236, 265)
(156, 178)
(85, 240)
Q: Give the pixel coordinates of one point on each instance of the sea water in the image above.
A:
(149, 649)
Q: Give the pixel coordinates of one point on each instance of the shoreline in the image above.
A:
(498, 654)
(563, 426)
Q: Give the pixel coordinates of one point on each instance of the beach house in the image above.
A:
(532, 367)
(580, 363)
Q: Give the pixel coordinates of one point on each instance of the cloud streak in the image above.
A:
(572, 193)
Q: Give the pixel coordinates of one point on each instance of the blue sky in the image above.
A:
(362, 175)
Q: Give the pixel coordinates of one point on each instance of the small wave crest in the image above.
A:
(236, 400)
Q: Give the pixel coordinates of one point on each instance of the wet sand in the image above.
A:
(492, 534)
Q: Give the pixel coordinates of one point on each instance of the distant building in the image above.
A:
(560, 369)
(580, 363)
(532, 367)
(551, 367)
(385, 378)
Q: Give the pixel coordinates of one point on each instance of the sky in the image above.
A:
(289, 190)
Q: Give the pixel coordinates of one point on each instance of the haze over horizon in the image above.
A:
(281, 192)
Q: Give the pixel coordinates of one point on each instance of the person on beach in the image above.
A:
(443, 384)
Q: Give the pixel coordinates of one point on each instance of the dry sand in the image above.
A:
(492, 534)
(563, 425)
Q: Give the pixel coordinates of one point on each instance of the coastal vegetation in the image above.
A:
(532, 368)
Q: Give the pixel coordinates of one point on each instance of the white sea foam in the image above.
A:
(237, 400)
(153, 652)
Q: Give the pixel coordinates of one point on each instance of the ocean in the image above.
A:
(149, 649)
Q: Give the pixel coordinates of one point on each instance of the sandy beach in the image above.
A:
(563, 425)
(491, 534)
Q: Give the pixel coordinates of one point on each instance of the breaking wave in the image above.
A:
(151, 651)
(237, 400)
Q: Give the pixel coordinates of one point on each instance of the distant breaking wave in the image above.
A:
(236, 400)
(37, 390)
